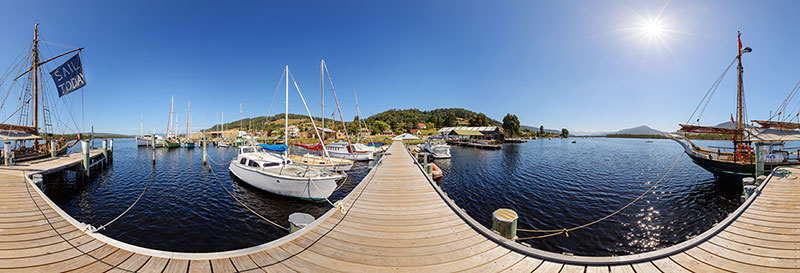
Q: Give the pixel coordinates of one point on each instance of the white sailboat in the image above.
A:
(276, 173)
(142, 140)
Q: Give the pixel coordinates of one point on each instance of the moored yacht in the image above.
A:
(274, 173)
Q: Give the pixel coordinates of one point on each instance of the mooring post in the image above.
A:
(504, 221)
(7, 152)
(153, 145)
(299, 220)
(110, 150)
(205, 151)
(52, 148)
(85, 152)
(760, 157)
(105, 151)
(748, 187)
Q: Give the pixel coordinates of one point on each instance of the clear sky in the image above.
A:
(583, 65)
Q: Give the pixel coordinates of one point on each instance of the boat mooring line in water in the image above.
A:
(27, 187)
(240, 201)
(565, 231)
(92, 229)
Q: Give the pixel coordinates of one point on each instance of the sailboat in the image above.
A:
(30, 140)
(188, 142)
(344, 149)
(278, 174)
(143, 140)
(171, 141)
(755, 150)
(223, 142)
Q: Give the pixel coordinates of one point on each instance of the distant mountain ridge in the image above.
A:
(638, 130)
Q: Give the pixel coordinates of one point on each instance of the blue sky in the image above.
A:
(583, 65)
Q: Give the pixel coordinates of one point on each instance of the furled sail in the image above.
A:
(778, 124)
(706, 129)
(771, 135)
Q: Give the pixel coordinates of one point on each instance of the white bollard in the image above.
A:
(105, 150)
(7, 153)
(299, 220)
(85, 152)
(748, 181)
(504, 221)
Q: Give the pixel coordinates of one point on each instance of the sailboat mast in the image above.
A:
(35, 77)
(188, 114)
(740, 95)
(141, 126)
(322, 91)
(169, 120)
(286, 114)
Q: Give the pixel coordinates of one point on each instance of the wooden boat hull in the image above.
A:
(172, 144)
(188, 145)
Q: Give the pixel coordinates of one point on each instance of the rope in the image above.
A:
(90, 228)
(709, 94)
(554, 232)
(338, 204)
(367, 181)
(240, 202)
(27, 187)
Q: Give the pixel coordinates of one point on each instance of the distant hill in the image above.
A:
(536, 129)
(639, 130)
(726, 124)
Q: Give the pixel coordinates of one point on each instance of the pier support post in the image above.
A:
(105, 150)
(299, 220)
(760, 154)
(85, 153)
(205, 151)
(504, 221)
(153, 145)
(7, 153)
(110, 150)
(52, 149)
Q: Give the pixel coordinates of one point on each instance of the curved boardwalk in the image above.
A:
(395, 221)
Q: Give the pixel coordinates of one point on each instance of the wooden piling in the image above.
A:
(52, 149)
(7, 153)
(105, 150)
(85, 153)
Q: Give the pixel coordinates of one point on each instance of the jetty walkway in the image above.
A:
(396, 219)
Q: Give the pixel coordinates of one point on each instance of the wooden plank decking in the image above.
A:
(396, 221)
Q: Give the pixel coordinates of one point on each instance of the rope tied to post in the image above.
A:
(565, 231)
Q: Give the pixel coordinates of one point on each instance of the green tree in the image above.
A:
(450, 120)
(541, 130)
(511, 125)
(564, 132)
(430, 125)
(380, 126)
(479, 120)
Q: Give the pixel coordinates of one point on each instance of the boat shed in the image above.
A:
(490, 132)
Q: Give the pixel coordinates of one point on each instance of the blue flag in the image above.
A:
(69, 76)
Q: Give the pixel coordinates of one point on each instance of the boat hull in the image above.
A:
(303, 188)
(140, 141)
(172, 144)
(353, 156)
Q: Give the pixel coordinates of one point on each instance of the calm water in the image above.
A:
(556, 184)
(185, 208)
(550, 183)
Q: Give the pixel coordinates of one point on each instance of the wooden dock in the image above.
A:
(396, 220)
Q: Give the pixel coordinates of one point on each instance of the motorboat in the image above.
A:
(438, 147)
(345, 150)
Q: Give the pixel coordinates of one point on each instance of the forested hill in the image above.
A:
(443, 117)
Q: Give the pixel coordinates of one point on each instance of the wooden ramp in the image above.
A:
(396, 220)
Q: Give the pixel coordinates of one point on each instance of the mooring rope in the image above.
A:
(367, 181)
(90, 228)
(565, 231)
(27, 187)
(240, 201)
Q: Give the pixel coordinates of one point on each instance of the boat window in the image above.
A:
(253, 164)
(243, 161)
(271, 164)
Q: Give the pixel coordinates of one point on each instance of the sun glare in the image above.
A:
(653, 29)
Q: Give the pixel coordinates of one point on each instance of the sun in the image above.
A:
(653, 29)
